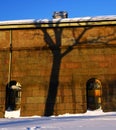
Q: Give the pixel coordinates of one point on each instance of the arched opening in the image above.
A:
(13, 96)
(94, 93)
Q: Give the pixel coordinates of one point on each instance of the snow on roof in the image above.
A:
(64, 20)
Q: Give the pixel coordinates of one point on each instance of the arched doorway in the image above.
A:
(94, 93)
(13, 96)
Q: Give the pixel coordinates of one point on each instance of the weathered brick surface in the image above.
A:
(40, 55)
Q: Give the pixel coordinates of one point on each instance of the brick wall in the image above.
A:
(53, 66)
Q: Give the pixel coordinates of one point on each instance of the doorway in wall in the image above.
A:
(13, 99)
(94, 94)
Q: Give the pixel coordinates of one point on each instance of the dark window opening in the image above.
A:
(94, 91)
(13, 96)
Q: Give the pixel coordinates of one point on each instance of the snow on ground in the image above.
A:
(87, 121)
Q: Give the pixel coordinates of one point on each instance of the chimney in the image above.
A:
(61, 14)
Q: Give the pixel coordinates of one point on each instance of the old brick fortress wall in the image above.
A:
(53, 64)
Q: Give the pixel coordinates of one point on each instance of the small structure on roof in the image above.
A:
(60, 14)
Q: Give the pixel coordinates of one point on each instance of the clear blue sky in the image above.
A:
(43, 9)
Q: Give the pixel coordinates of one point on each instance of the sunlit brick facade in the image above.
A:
(54, 60)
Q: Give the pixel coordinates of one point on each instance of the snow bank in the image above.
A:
(12, 114)
(98, 112)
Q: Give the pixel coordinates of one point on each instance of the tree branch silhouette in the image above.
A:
(77, 41)
(57, 57)
(55, 47)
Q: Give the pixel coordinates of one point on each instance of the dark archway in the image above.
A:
(13, 96)
(94, 93)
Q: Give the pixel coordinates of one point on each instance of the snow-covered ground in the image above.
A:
(87, 121)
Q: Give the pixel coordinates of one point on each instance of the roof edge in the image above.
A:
(64, 20)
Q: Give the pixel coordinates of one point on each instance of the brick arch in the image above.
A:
(94, 93)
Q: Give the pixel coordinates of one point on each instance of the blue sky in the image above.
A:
(43, 9)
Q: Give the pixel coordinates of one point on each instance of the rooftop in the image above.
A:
(54, 22)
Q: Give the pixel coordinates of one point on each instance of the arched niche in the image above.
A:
(94, 94)
(13, 96)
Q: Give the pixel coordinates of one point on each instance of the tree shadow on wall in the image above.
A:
(55, 47)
